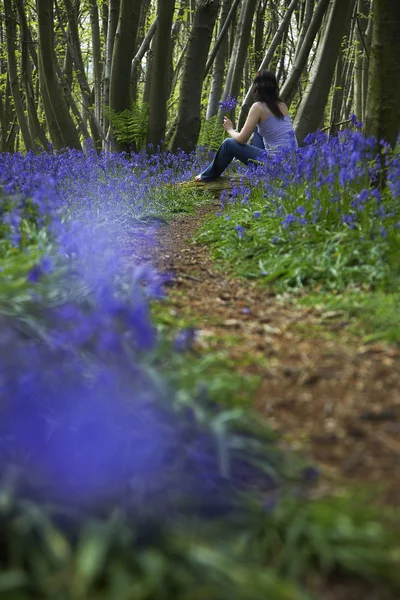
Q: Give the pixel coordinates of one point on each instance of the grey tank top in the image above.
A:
(277, 133)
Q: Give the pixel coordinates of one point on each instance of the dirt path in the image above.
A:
(332, 397)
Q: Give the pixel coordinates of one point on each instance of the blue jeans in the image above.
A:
(231, 149)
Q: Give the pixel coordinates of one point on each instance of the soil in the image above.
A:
(332, 397)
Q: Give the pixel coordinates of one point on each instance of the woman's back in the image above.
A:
(277, 132)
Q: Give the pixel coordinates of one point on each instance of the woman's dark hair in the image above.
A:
(265, 89)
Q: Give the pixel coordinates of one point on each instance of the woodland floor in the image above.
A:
(331, 397)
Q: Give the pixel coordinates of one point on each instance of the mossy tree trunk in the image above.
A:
(11, 37)
(188, 127)
(383, 101)
(123, 52)
(57, 108)
(159, 85)
(313, 105)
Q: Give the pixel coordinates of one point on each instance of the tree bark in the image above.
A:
(188, 128)
(290, 86)
(159, 87)
(267, 58)
(308, 14)
(339, 87)
(11, 34)
(66, 126)
(37, 132)
(226, 19)
(363, 9)
(145, 45)
(97, 61)
(217, 79)
(313, 105)
(74, 44)
(236, 64)
(383, 101)
(113, 13)
(123, 52)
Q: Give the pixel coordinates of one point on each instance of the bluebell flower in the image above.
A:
(228, 104)
(241, 231)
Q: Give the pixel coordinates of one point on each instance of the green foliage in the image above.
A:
(130, 126)
(212, 134)
(344, 532)
(57, 553)
(376, 314)
(328, 254)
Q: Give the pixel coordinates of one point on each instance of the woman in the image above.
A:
(274, 129)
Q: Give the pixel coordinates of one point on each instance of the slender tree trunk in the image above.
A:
(97, 62)
(267, 58)
(160, 76)
(236, 64)
(37, 132)
(225, 22)
(74, 45)
(217, 79)
(138, 57)
(341, 86)
(290, 86)
(149, 75)
(113, 13)
(123, 52)
(365, 66)
(68, 132)
(308, 13)
(11, 33)
(259, 33)
(313, 105)
(363, 9)
(188, 128)
(383, 101)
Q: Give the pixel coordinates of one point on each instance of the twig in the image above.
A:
(336, 125)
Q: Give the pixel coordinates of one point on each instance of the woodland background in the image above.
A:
(137, 72)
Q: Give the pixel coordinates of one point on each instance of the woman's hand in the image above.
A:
(227, 124)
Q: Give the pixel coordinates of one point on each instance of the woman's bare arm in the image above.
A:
(244, 134)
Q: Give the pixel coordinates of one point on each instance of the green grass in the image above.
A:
(375, 315)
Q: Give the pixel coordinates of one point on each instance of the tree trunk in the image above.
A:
(11, 34)
(97, 62)
(138, 57)
(363, 9)
(217, 79)
(159, 87)
(308, 14)
(68, 132)
(259, 33)
(113, 12)
(37, 132)
(289, 88)
(313, 105)
(236, 64)
(383, 101)
(123, 52)
(267, 58)
(74, 44)
(341, 86)
(188, 128)
(225, 22)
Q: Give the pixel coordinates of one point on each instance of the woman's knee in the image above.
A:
(229, 144)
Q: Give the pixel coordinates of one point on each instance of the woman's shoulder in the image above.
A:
(283, 108)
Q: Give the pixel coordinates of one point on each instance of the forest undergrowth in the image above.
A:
(132, 466)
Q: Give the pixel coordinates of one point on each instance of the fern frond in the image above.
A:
(130, 126)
